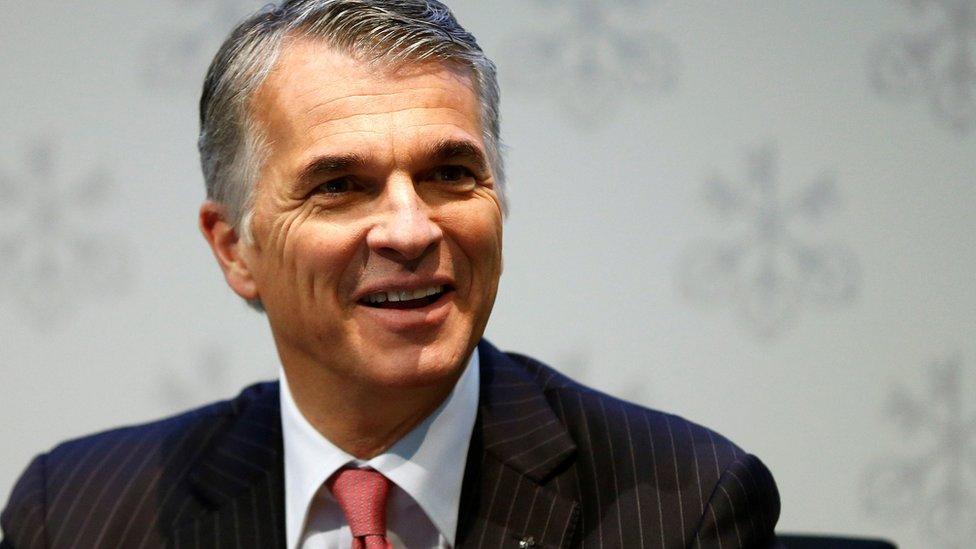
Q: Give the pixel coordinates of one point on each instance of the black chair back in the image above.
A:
(793, 541)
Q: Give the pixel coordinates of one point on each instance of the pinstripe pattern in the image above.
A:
(188, 481)
(549, 460)
(609, 473)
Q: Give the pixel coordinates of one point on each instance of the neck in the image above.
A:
(363, 421)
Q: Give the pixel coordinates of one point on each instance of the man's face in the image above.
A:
(377, 228)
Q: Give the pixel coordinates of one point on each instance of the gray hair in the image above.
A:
(233, 146)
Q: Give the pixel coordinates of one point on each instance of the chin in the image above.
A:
(417, 364)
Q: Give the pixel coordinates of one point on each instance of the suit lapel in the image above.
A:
(239, 481)
(518, 445)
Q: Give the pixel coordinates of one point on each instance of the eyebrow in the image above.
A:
(447, 150)
(444, 150)
(323, 167)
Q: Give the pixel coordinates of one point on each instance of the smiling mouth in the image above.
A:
(405, 299)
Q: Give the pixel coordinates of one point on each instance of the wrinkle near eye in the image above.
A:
(284, 229)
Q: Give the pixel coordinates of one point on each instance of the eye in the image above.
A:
(336, 186)
(451, 174)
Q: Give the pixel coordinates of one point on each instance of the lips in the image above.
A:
(407, 309)
(405, 299)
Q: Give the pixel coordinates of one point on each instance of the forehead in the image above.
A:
(316, 89)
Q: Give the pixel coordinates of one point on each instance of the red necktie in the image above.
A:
(362, 495)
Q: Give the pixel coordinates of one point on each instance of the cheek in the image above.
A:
(479, 237)
(324, 254)
(311, 258)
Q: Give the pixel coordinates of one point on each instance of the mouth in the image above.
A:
(405, 299)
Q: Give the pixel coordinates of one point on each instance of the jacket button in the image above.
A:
(526, 542)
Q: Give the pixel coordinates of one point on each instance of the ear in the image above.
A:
(232, 254)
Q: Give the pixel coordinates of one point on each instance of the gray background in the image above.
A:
(755, 214)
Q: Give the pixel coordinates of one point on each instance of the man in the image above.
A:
(355, 194)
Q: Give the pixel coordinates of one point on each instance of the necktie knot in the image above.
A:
(362, 495)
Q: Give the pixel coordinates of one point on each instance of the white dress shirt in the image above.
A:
(426, 468)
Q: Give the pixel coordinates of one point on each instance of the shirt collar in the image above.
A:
(428, 463)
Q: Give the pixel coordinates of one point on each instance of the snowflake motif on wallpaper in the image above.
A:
(590, 55)
(178, 55)
(933, 481)
(51, 259)
(762, 264)
(203, 379)
(936, 60)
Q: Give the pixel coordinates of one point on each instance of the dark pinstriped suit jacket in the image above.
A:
(552, 464)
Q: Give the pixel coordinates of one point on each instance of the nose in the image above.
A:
(405, 230)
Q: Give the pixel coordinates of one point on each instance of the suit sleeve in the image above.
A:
(22, 521)
(743, 508)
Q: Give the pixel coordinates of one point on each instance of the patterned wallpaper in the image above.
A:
(757, 215)
(591, 61)
(767, 263)
(932, 61)
(928, 481)
(48, 246)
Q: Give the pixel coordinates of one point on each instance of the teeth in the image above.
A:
(405, 295)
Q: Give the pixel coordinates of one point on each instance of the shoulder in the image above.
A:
(701, 482)
(175, 434)
(101, 469)
(603, 418)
